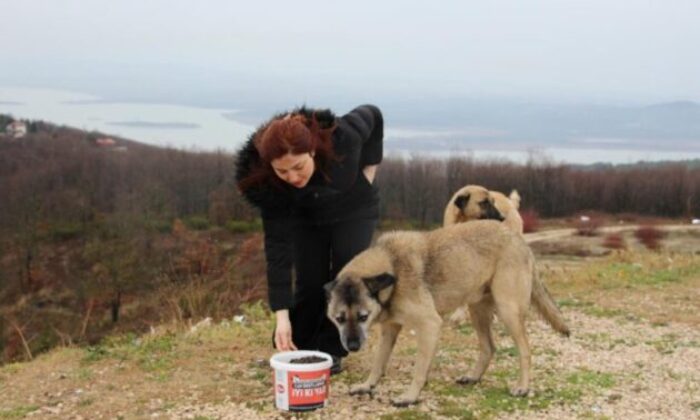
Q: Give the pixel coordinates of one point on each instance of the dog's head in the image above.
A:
(474, 202)
(357, 297)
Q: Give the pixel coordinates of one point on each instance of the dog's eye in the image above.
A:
(340, 319)
(362, 317)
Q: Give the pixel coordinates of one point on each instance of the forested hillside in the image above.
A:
(100, 233)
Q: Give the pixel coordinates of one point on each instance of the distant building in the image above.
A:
(16, 129)
(105, 142)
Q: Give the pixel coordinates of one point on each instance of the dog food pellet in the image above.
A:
(307, 359)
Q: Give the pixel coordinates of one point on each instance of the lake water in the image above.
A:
(209, 129)
(159, 124)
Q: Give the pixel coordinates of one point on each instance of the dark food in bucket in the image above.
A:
(308, 359)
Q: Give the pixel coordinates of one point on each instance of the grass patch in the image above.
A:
(257, 405)
(12, 367)
(507, 351)
(451, 408)
(258, 372)
(499, 400)
(409, 351)
(408, 414)
(449, 388)
(465, 329)
(624, 270)
(84, 373)
(18, 412)
(573, 303)
(588, 378)
(600, 312)
(492, 401)
(668, 343)
(635, 274)
(351, 376)
(153, 353)
(504, 375)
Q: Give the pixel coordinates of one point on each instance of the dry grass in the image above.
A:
(614, 241)
(531, 221)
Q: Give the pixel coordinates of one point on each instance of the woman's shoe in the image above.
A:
(337, 366)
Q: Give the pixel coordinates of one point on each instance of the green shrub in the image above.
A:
(244, 226)
(65, 231)
(160, 226)
(197, 222)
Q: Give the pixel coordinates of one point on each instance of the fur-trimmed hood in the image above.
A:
(269, 196)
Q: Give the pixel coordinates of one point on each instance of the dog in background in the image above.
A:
(474, 202)
(411, 279)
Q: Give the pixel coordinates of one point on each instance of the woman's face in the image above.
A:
(295, 170)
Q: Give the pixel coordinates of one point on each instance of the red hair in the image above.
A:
(295, 134)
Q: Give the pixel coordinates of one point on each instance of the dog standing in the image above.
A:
(474, 202)
(412, 279)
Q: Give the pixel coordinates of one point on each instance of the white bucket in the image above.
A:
(301, 386)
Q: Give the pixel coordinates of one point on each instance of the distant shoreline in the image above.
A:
(155, 125)
(515, 132)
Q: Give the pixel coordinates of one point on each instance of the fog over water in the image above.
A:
(209, 129)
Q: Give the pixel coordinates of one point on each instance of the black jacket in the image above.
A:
(357, 141)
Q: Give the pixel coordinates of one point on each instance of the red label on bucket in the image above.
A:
(307, 390)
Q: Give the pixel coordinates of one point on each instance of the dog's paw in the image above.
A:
(468, 380)
(362, 389)
(517, 391)
(403, 401)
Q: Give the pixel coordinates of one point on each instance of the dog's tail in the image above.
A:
(515, 199)
(545, 305)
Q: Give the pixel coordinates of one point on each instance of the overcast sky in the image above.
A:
(591, 50)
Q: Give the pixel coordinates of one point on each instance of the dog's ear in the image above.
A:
(461, 201)
(328, 287)
(378, 283)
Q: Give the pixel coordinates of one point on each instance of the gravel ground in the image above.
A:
(654, 370)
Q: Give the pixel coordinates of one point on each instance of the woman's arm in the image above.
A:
(278, 255)
(278, 258)
(368, 122)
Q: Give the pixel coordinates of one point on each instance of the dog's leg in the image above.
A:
(513, 316)
(482, 317)
(427, 334)
(390, 332)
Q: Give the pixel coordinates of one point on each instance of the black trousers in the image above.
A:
(320, 254)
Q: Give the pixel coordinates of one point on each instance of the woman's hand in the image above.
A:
(283, 331)
(369, 172)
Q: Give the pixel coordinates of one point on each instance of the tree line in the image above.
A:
(58, 178)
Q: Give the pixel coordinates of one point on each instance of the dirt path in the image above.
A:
(560, 233)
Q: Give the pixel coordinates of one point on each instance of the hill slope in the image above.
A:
(634, 343)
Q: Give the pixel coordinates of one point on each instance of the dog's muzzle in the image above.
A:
(353, 344)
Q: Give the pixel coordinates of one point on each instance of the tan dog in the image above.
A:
(411, 279)
(474, 202)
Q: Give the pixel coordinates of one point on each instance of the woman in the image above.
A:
(311, 175)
